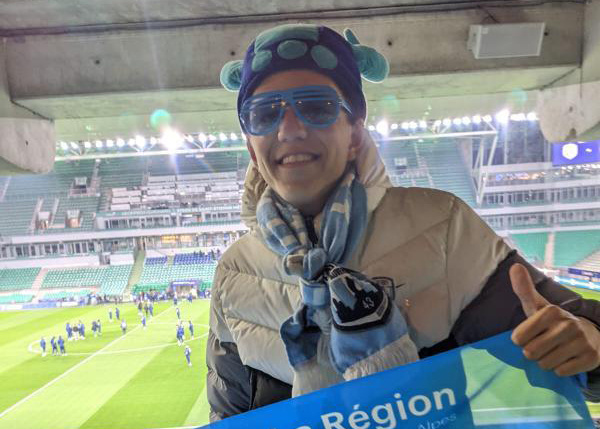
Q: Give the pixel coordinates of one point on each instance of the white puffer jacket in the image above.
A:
(435, 250)
(430, 249)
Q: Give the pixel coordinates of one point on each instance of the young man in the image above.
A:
(110, 314)
(144, 320)
(117, 313)
(123, 326)
(99, 327)
(81, 330)
(178, 313)
(69, 331)
(179, 334)
(188, 353)
(61, 345)
(326, 223)
(151, 309)
(94, 327)
(191, 328)
(54, 346)
(43, 346)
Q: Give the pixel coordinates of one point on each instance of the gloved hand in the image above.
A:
(369, 333)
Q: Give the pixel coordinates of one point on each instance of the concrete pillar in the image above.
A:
(27, 141)
(569, 110)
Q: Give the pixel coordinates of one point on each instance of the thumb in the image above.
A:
(523, 286)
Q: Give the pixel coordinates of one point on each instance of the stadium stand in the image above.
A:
(17, 278)
(574, 246)
(15, 298)
(64, 295)
(191, 259)
(203, 272)
(160, 260)
(16, 216)
(438, 155)
(532, 246)
(591, 263)
(112, 280)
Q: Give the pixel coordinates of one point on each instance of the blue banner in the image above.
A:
(489, 384)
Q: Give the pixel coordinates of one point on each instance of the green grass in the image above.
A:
(139, 380)
(135, 381)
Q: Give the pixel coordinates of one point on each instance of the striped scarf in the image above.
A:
(284, 231)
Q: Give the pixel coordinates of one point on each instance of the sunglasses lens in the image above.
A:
(261, 118)
(321, 112)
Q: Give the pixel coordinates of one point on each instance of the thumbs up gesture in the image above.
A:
(554, 338)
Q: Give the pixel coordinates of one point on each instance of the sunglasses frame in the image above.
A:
(289, 98)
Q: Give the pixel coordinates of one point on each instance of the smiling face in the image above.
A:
(303, 164)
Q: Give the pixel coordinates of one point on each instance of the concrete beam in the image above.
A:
(27, 141)
(191, 58)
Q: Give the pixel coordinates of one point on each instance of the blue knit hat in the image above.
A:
(308, 47)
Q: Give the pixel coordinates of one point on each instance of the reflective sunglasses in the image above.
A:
(317, 106)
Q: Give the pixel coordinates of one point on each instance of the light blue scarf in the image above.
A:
(284, 231)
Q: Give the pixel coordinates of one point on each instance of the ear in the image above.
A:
(251, 150)
(356, 140)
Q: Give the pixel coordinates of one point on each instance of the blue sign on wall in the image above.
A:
(575, 153)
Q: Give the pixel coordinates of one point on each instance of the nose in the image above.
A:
(291, 128)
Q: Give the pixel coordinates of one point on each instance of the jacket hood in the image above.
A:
(370, 172)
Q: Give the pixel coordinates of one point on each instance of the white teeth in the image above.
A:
(297, 158)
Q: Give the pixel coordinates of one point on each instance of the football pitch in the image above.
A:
(114, 381)
(139, 380)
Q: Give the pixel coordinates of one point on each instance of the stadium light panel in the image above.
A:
(110, 143)
(171, 139)
(140, 141)
(131, 142)
(457, 121)
(64, 145)
(503, 116)
(476, 119)
(413, 125)
(189, 138)
(86, 144)
(233, 136)
(437, 123)
(153, 140)
(74, 145)
(487, 118)
(466, 120)
(99, 144)
(120, 142)
(202, 138)
(422, 124)
(382, 127)
(518, 117)
(371, 128)
(394, 126)
(212, 138)
(532, 116)
(404, 125)
(222, 137)
(447, 122)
